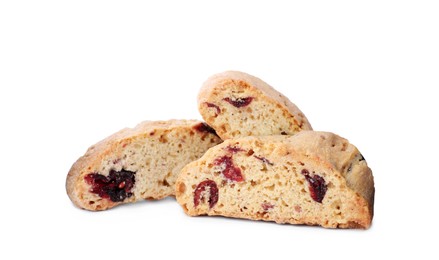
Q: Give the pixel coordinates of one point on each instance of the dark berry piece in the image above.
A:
(362, 158)
(116, 186)
(267, 206)
(230, 171)
(201, 188)
(116, 161)
(234, 149)
(205, 128)
(218, 110)
(317, 186)
(263, 159)
(239, 102)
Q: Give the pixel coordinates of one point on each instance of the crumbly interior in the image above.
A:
(274, 188)
(156, 153)
(268, 113)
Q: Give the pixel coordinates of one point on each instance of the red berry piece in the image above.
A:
(267, 206)
(116, 186)
(234, 149)
(218, 110)
(317, 186)
(263, 159)
(239, 102)
(210, 187)
(229, 170)
(204, 128)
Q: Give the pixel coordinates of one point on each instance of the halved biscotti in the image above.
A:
(312, 178)
(237, 104)
(138, 163)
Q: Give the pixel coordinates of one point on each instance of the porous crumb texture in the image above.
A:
(237, 104)
(138, 163)
(312, 178)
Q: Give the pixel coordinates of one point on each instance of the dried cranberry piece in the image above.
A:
(218, 110)
(317, 186)
(239, 102)
(267, 206)
(230, 171)
(204, 128)
(263, 159)
(234, 149)
(213, 193)
(116, 186)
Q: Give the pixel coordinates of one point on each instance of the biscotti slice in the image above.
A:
(312, 178)
(237, 104)
(138, 163)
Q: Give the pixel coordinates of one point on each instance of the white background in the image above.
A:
(74, 72)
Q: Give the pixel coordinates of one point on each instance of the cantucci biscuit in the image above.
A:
(138, 163)
(312, 178)
(237, 104)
